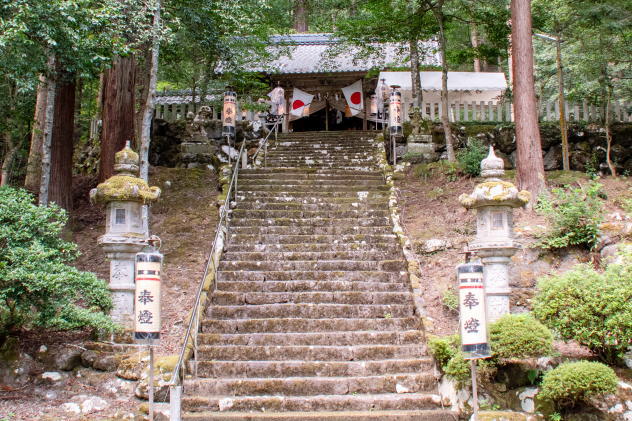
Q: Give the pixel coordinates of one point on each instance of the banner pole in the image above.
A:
(474, 390)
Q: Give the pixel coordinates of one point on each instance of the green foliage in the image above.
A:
(519, 336)
(443, 348)
(450, 299)
(572, 383)
(574, 215)
(443, 168)
(470, 158)
(593, 308)
(37, 286)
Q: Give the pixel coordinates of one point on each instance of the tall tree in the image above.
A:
(529, 162)
(34, 164)
(59, 191)
(300, 14)
(117, 112)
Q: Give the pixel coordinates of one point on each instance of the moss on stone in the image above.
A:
(126, 188)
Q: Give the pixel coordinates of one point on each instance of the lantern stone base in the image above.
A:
(496, 274)
(421, 144)
(122, 256)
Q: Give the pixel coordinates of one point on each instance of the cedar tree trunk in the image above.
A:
(416, 77)
(529, 162)
(117, 110)
(445, 109)
(300, 16)
(60, 187)
(34, 164)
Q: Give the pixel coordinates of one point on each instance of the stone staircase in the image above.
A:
(312, 317)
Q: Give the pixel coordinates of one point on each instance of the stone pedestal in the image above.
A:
(494, 201)
(121, 257)
(421, 144)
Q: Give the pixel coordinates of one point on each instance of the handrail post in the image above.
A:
(175, 403)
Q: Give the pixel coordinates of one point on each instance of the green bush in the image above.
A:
(591, 307)
(573, 215)
(470, 157)
(443, 348)
(37, 286)
(519, 336)
(572, 383)
(450, 299)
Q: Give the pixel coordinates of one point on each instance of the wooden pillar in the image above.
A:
(366, 113)
(326, 115)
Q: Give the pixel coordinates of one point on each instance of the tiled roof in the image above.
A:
(322, 53)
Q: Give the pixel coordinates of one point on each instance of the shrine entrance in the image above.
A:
(326, 120)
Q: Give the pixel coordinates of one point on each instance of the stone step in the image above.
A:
(310, 286)
(289, 256)
(321, 163)
(309, 181)
(300, 176)
(308, 325)
(309, 386)
(313, 230)
(374, 402)
(298, 187)
(353, 205)
(309, 172)
(333, 275)
(290, 368)
(258, 298)
(324, 156)
(310, 311)
(317, 415)
(407, 337)
(313, 222)
(295, 150)
(300, 194)
(275, 239)
(391, 247)
(307, 265)
(355, 202)
(309, 214)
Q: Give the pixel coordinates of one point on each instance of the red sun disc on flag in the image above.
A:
(297, 104)
(356, 98)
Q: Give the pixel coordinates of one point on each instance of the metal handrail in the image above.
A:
(194, 323)
(264, 144)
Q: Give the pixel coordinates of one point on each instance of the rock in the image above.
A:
(88, 358)
(132, 368)
(431, 246)
(71, 407)
(401, 389)
(52, 376)
(627, 358)
(67, 358)
(553, 158)
(527, 396)
(93, 403)
(506, 416)
(107, 362)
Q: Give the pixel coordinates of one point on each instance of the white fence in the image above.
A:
(459, 112)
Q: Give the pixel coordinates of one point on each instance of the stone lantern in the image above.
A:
(494, 201)
(123, 194)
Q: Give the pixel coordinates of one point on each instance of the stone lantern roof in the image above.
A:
(125, 185)
(494, 191)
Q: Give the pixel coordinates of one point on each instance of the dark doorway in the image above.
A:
(316, 122)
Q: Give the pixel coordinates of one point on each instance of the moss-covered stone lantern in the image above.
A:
(494, 200)
(123, 194)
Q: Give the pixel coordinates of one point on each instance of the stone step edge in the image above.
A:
(446, 415)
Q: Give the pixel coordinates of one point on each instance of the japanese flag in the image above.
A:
(354, 97)
(300, 100)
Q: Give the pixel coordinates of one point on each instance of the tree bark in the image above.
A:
(34, 164)
(611, 166)
(117, 110)
(417, 92)
(60, 188)
(12, 150)
(475, 44)
(566, 166)
(51, 90)
(300, 16)
(445, 109)
(529, 162)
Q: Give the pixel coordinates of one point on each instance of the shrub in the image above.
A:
(443, 348)
(470, 158)
(574, 216)
(519, 336)
(37, 286)
(450, 299)
(593, 308)
(572, 383)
